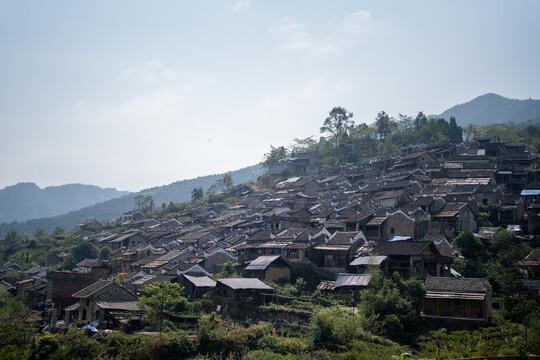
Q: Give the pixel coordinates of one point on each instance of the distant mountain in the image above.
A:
(28, 201)
(493, 109)
(178, 191)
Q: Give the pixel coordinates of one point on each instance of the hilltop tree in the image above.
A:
(303, 145)
(384, 124)
(454, 132)
(420, 120)
(274, 155)
(143, 203)
(227, 181)
(222, 184)
(338, 124)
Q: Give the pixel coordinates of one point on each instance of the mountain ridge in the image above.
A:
(177, 191)
(492, 108)
(26, 200)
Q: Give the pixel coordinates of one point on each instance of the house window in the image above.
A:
(392, 230)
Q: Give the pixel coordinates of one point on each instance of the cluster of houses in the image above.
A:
(398, 212)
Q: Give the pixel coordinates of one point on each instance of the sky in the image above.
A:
(135, 94)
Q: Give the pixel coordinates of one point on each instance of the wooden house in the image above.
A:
(337, 251)
(461, 299)
(269, 268)
(242, 288)
(347, 286)
(196, 286)
(105, 302)
(412, 258)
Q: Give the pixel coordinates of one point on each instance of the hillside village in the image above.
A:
(397, 213)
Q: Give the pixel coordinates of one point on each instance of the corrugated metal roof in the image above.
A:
(344, 279)
(530, 192)
(369, 260)
(200, 281)
(245, 283)
(262, 262)
(399, 238)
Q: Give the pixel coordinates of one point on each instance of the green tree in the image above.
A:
(420, 120)
(455, 132)
(303, 145)
(197, 194)
(469, 131)
(384, 124)
(68, 261)
(393, 309)
(469, 245)
(337, 124)
(274, 155)
(143, 203)
(227, 181)
(160, 298)
(17, 327)
(104, 253)
(40, 234)
(83, 251)
(405, 123)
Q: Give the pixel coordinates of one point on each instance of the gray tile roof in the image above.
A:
(118, 305)
(92, 289)
(401, 247)
(478, 285)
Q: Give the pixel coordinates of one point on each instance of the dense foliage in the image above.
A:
(161, 298)
(346, 142)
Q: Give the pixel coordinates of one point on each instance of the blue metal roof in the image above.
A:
(530, 192)
(399, 238)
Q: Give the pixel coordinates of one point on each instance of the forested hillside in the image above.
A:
(27, 201)
(347, 142)
(493, 109)
(178, 191)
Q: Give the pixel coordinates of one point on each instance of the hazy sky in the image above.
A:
(133, 94)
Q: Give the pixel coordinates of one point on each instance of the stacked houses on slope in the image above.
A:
(400, 212)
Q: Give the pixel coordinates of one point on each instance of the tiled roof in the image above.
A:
(344, 238)
(92, 289)
(118, 305)
(479, 285)
(408, 248)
